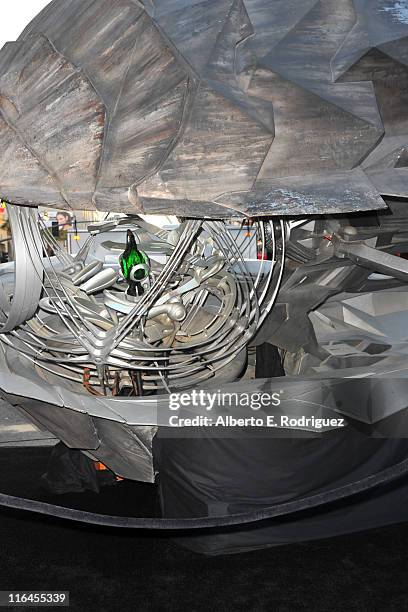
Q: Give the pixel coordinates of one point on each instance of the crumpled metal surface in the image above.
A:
(212, 109)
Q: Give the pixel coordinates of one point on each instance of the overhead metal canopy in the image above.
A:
(213, 109)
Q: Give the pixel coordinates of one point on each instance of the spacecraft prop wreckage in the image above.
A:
(291, 114)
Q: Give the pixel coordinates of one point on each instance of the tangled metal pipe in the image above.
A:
(17, 308)
(198, 312)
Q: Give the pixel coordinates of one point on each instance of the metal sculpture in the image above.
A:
(291, 113)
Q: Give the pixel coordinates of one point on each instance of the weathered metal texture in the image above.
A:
(54, 120)
(211, 108)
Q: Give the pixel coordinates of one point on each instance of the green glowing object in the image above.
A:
(134, 264)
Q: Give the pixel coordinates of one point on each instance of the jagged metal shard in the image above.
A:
(207, 109)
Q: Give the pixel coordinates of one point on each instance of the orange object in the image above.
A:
(101, 467)
(86, 382)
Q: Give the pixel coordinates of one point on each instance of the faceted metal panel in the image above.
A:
(209, 108)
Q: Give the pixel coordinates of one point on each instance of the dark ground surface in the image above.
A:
(121, 570)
